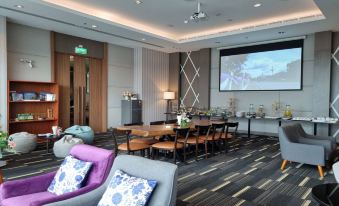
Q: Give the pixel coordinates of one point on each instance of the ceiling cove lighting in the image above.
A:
(257, 5)
(138, 2)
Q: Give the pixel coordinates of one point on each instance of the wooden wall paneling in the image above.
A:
(52, 39)
(79, 76)
(63, 79)
(104, 89)
(96, 98)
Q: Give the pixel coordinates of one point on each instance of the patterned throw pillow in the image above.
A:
(127, 190)
(70, 176)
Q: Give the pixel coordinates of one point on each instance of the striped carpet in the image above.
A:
(248, 174)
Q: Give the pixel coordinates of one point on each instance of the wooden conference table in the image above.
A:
(160, 130)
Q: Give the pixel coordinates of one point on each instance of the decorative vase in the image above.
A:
(183, 124)
(179, 119)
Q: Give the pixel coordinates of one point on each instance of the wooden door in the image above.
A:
(79, 85)
(62, 72)
(95, 91)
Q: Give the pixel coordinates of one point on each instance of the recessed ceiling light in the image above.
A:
(170, 25)
(257, 5)
(217, 42)
(143, 39)
(19, 6)
(229, 20)
(186, 21)
(138, 2)
(218, 14)
(94, 26)
(281, 32)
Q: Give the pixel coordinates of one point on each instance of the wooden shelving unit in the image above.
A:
(35, 126)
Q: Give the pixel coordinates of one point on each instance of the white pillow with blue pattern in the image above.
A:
(127, 190)
(70, 176)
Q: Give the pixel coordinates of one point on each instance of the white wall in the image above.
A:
(120, 79)
(3, 74)
(31, 43)
(155, 75)
(300, 101)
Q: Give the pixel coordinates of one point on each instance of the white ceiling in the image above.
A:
(159, 24)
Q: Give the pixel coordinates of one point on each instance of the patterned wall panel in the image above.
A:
(155, 76)
(195, 78)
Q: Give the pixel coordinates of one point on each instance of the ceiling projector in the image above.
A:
(198, 16)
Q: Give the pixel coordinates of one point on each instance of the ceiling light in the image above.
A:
(186, 21)
(94, 26)
(257, 5)
(138, 2)
(19, 6)
(281, 32)
(143, 39)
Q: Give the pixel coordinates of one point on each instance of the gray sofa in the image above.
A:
(164, 173)
(298, 146)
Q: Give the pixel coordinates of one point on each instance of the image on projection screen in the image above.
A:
(269, 70)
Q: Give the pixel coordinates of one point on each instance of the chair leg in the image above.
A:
(148, 153)
(206, 151)
(283, 165)
(196, 151)
(225, 146)
(213, 148)
(175, 156)
(321, 172)
(184, 153)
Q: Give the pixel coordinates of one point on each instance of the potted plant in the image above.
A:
(6, 143)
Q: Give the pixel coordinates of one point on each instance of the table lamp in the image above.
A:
(168, 96)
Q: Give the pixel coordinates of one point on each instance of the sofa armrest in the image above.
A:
(306, 153)
(90, 198)
(26, 186)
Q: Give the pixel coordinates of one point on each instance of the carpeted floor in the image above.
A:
(248, 174)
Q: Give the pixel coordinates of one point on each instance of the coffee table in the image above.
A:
(326, 194)
(49, 139)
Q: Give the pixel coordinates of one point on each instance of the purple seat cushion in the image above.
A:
(27, 200)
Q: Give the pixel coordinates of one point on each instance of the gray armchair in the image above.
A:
(164, 173)
(297, 146)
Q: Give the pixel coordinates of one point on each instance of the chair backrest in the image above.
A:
(121, 134)
(172, 121)
(134, 124)
(289, 132)
(218, 130)
(164, 173)
(102, 160)
(157, 123)
(234, 125)
(181, 132)
(299, 129)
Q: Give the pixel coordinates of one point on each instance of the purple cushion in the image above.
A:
(27, 200)
(102, 160)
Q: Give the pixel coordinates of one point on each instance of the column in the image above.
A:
(3, 74)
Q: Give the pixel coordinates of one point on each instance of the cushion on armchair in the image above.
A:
(70, 176)
(127, 190)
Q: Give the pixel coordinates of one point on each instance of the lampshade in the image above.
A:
(169, 95)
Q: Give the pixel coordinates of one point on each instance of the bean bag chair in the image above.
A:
(63, 146)
(82, 132)
(24, 142)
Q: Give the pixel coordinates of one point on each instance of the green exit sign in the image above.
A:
(80, 50)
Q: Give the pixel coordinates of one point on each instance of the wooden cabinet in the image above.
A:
(45, 113)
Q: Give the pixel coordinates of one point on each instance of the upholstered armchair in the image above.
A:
(33, 191)
(297, 146)
(164, 173)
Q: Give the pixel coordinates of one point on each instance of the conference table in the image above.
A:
(161, 130)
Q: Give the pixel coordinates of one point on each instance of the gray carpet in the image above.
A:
(248, 174)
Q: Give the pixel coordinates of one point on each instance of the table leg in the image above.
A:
(249, 128)
(279, 123)
(315, 127)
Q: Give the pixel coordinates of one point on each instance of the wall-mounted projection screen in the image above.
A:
(267, 67)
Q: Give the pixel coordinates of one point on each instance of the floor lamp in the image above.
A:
(168, 96)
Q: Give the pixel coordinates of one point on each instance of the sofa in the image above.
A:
(298, 146)
(32, 191)
(164, 173)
